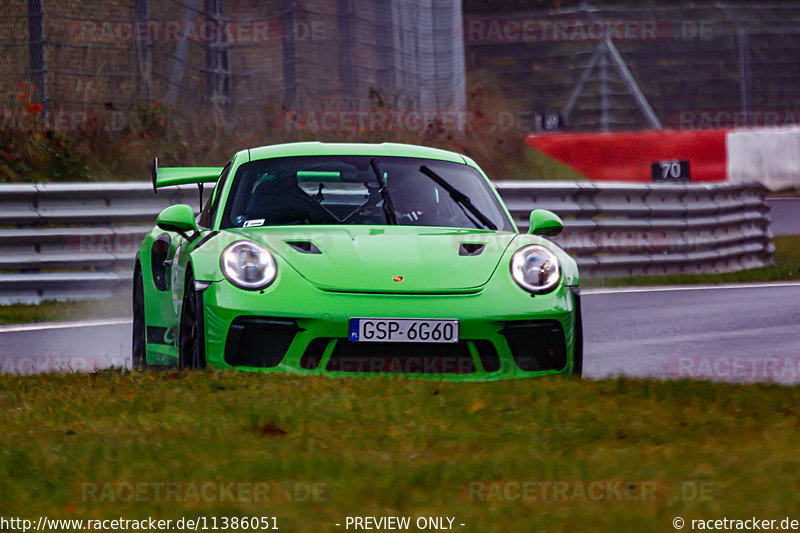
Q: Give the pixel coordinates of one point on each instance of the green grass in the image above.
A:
(390, 446)
(536, 165)
(786, 267)
(119, 306)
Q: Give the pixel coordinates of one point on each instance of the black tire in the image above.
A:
(577, 366)
(191, 349)
(577, 369)
(138, 337)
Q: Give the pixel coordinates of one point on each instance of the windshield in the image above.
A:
(361, 190)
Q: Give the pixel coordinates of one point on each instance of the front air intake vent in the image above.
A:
(313, 355)
(537, 345)
(259, 342)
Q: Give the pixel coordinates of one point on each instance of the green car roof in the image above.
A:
(377, 150)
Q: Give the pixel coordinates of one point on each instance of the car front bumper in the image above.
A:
(298, 328)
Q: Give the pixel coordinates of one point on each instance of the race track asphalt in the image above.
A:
(785, 213)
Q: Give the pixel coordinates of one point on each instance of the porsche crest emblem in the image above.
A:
(398, 279)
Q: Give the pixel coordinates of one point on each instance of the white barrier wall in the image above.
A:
(769, 156)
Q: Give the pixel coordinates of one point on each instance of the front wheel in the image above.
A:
(191, 349)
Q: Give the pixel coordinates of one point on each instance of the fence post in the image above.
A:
(36, 48)
(344, 18)
(605, 90)
(743, 39)
(179, 58)
(289, 55)
(218, 79)
(384, 25)
(144, 62)
(744, 71)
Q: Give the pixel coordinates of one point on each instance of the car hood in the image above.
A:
(389, 259)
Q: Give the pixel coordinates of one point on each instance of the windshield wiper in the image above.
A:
(459, 197)
(388, 208)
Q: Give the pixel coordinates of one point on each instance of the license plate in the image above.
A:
(402, 330)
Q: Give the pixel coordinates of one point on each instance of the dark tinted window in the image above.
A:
(212, 204)
(347, 190)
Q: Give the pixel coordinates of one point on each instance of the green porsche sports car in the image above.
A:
(353, 259)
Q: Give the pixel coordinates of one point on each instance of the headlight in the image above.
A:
(535, 269)
(248, 265)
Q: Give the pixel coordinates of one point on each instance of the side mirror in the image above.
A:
(545, 223)
(178, 218)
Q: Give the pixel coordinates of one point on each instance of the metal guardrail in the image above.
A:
(616, 229)
(60, 241)
(75, 240)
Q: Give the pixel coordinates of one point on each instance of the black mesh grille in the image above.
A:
(401, 357)
(259, 342)
(537, 345)
(488, 355)
(313, 354)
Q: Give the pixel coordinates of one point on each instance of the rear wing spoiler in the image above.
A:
(171, 176)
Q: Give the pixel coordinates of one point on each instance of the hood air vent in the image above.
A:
(471, 248)
(304, 247)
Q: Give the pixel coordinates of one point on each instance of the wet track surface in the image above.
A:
(732, 334)
(785, 213)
